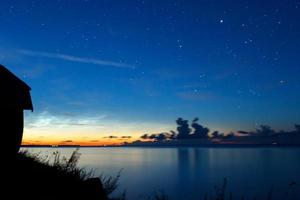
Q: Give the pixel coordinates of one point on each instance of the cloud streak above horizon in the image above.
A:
(48, 120)
(71, 58)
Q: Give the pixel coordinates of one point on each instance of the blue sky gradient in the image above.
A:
(133, 67)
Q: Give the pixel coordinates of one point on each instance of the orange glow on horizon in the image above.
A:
(80, 142)
(88, 136)
(100, 142)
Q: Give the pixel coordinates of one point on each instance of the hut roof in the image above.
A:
(14, 92)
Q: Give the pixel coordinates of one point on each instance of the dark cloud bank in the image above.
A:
(197, 134)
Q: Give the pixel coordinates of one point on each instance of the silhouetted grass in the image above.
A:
(59, 177)
(161, 196)
(221, 193)
(61, 165)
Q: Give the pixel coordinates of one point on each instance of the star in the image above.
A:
(180, 45)
(282, 82)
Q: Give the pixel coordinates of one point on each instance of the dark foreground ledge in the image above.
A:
(28, 178)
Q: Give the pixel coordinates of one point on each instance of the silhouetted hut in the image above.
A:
(14, 98)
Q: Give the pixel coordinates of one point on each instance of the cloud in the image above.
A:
(126, 137)
(94, 140)
(156, 136)
(47, 120)
(111, 137)
(67, 141)
(74, 58)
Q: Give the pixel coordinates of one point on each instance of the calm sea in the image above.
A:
(188, 173)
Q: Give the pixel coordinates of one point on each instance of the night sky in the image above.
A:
(125, 68)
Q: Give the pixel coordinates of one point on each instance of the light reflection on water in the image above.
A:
(187, 173)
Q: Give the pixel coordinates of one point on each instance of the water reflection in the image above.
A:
(187, 173)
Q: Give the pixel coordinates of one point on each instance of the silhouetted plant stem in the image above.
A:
(270, 193)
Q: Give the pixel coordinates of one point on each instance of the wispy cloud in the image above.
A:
(48, 120)
(67, 141)
(111, 137)
(126, 137)
(71, 58)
